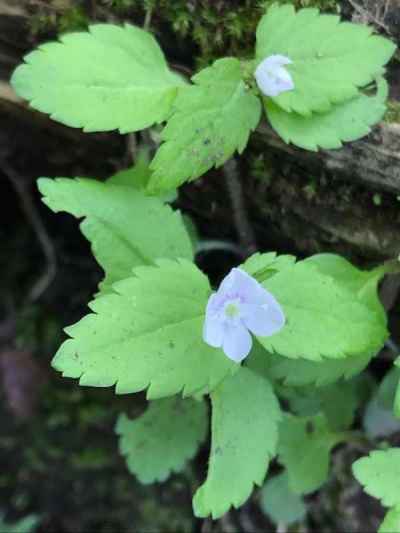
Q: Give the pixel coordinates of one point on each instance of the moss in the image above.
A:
(214, 28)
(393, 112)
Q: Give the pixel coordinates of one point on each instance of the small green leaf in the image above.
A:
(245, 415)
(138, 177)
(125, 227)
(330, 59)
(345, 122)
(280, 503)
(212, 119)
(379, 422)
(397, 394)
(147, 334)
(112, 77)
(379, 473)
(323, 319)
(338, 402)
(299, 373)
(304, 449)
(262, 266)
(387, 388)
(163, 439)
(391, 523)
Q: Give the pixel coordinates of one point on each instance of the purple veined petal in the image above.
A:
(263, 321)
(237, 343)
(241, 284)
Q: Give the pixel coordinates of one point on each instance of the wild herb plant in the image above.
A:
(278, 331)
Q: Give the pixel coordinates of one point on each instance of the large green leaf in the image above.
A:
(245, 415)
(147, 334)
(164, 438)
(345, 122)
(304, 449)
(323, 318)
(330, 60)
(212, 119)
(379, 473)
(125, 227)
(112, 77)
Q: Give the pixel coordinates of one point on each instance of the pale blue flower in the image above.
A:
(272, 77)
(239, 306)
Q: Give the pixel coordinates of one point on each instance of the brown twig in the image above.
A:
(31, 213)
(247, 239)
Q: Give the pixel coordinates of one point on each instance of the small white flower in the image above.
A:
(240, 305)
(272, 77)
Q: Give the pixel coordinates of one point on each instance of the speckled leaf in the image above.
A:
(245, 415)
(147, 334)
(211, 120)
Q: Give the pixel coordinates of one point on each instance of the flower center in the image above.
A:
(232, 309)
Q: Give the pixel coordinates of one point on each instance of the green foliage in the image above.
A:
(262, 266)
(164, 438)
(391, 523)
(299, 373)
(211, 120)
(245, 415)
(147, 334)
(304, 448)
(345, 122)
(125, 227)
(108, 78)
(379, 473)
(281, 504)
(349, 329)
(25, 525)
(330, 60)
(338, 402)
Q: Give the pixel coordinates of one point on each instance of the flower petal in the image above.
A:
(272, 77)
(213, 328)
(240, 284)
(264, 320)
(237, 343)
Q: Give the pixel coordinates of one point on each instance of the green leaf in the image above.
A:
(387, 388)
(338, 402)
(345, 122)
(138, 176)
(323, 319)
(379, 473)
(147, 334)
(245, 415)
(212, 119)
(112, 77)
(304, 449)
(163, 439)
(397, 394)
(330, 60)
(125, 227)
(391, 523)
(262, 266)
(299, 373)
(280, 503)
(24, 525)
(379, 422)
(363, 283)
